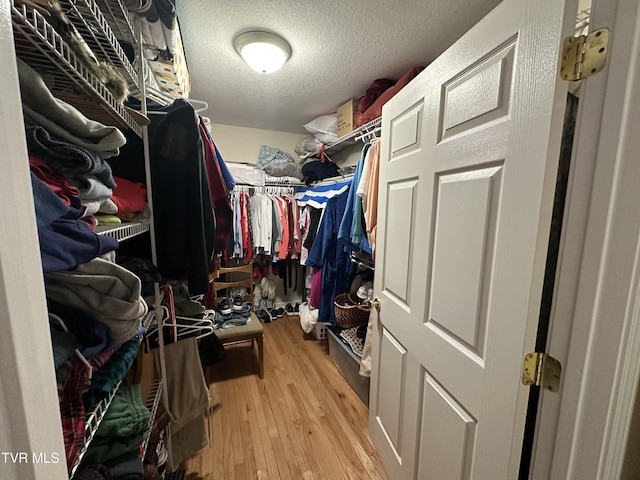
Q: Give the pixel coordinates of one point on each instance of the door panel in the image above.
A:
(406, 130)
(479, 95)
(391, 375)
(401, 205)
(468, 161)
(442, 412)
(463, 213)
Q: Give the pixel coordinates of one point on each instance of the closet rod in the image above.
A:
(330, 180)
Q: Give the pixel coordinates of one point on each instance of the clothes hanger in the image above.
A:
(203, 106)
(183, 326)
(77, 352)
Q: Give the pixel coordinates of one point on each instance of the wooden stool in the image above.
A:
(243, 333)
(252, 330)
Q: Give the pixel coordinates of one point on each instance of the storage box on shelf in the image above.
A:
(345, 114)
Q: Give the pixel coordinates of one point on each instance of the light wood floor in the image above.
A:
(303, 421)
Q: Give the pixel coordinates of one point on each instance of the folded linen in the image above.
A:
(40, 107)
(103, 289)
(72, 161)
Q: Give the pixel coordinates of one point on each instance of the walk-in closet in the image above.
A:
(407, 248)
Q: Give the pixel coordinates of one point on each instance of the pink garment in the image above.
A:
(284, 217)
(244, 221)
(316, 288)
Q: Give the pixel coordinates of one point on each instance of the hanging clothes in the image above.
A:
(318, 195)
(370, 195)
(217, 189)
(325, 253)
(350, 230)
(184, 219)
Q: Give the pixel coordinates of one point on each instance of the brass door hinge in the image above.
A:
(542, 370)
(584, 56)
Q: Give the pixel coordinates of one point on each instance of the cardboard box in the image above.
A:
(346, 121)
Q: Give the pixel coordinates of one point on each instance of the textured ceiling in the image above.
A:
(339, 48)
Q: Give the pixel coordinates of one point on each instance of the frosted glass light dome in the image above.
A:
(263, 51)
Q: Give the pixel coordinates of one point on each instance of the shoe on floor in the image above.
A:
(264, 316)
(278, 312)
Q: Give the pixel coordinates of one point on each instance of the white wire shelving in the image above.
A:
(96, 415)
(153, 402)
(69, 79)
(119, 20)
(124, 231)
(97, 33)
(350, 137)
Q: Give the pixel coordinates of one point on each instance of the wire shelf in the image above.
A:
(349, 137)
(88, 19)
(119, 19)
(94, 419)
(123, 231)
(38, 44)
(153, 402)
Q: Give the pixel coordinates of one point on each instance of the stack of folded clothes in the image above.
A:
(116, 444)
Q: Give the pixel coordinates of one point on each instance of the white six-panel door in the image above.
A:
(467, 174)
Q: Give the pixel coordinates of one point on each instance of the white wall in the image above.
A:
(242, 145)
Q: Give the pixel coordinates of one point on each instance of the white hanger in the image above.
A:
(203, 105)
(80, 356)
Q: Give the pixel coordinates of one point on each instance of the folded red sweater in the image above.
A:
(129, 196)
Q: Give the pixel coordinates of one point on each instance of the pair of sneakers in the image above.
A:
(267, 315)
(292, 309)
(225, 307)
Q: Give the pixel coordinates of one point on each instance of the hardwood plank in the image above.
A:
(303, 421)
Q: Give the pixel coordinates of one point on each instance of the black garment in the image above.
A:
(314, 222)
(318, 170)
(183, 214)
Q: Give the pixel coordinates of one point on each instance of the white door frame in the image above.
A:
(29, 407)
(582, 432)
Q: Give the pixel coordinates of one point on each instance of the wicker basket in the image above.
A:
(349, 312)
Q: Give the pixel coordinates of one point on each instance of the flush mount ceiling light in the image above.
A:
(264, 52)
